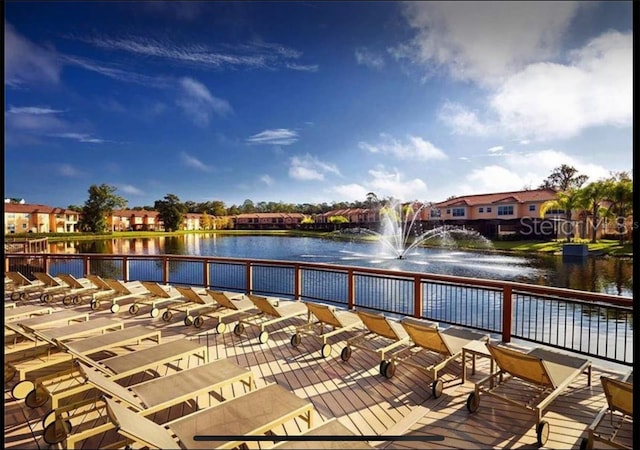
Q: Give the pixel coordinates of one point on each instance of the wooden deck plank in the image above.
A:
(353, 391)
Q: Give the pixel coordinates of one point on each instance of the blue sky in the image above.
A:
(311, 101)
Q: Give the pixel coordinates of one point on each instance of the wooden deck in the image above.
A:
(354, 392)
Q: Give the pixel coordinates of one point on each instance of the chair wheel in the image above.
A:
(221, 327)
(95, 305)
(22, 389)
(296, 339)
(75, 300)
(238, 329)
(325, 351)
(55, 435)
(133, 309)
(198, 322)
(383, 366)
(473, 402)
(36, 398)
(155, 312)
(67, 300)
(390, 370)
(167, 315)
(584, 444)
(188, 321)
(263, 337)
(436, 388)
(48, 418)
(115, 308)
(345, 354)
(542, 432)
(45, 298)
(15, 296)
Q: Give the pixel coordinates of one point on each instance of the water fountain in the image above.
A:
(400, 231)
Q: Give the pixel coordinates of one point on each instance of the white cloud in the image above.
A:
(385, 183)
(198, 103)
(496, 149)
(34, 110)
(368, 58)
(131, 190)
(26, 62)
(516, 170)
(350, 192)
(547, 101)
(302, 67)
(278, 136)
(266, 179)
(309, 168)
(415, 149)
(462, 121)
(194, 163)
(80, 137)
(67, 170)
(484, 41)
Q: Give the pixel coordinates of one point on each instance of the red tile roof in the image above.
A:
(534, 195)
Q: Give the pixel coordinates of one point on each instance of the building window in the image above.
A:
(481, 209)
(435, 213)
(448, 211)
(505, 210)
(11, 216)
(554, 211)
(24, 226)
(488, 209)
(532, 207)
(458, 212)
(25, 216)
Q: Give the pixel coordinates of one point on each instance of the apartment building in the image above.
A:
(25, 218)
(267, 221)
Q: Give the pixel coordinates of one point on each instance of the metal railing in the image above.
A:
(593, 324)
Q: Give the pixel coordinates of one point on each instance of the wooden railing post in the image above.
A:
(249, 278)
(206, 279)
(125, 269)
(417, 297)
(351, 289)
(87, 266)
(45, 264)
(507, 313)
(165, 270)
(297, 282)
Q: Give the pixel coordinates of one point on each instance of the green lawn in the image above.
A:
(607, 247)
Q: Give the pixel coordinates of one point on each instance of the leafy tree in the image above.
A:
(564, 178)
(171, 211)
(100, 205)
(248, 207)
(591, 198)
(218, 208)
(206, 222)
(75, 208)
(620, 194)
(567, 201)
(337, 220)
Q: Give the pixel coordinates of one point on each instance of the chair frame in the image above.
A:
(326, 316)
(618, 415)
(548, 389)
(269, 314)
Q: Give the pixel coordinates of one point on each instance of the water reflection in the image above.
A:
(607, 275)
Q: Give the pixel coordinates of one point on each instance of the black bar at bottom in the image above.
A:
(318, 438)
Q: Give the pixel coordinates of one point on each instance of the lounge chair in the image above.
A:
(255, 413)
(20, 312)
(326, 316)
(86, 348)
(549, 373)
(192, 301)
(41, 349)
(56, 318)
(228, 304)
(52, 286)
(118, 367)
(427, 338)
(80, 291)
(615, 432)
(22, 286)
(382, 336)
(121, 292)
(148, 397)
(268, 314)
(333, 428)
(157, 295)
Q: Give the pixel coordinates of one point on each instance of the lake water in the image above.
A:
(596, 274)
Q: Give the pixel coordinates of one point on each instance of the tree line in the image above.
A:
(605, 198)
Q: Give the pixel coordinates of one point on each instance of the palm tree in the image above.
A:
(591, 198)
(620, 194)
(567, 201)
